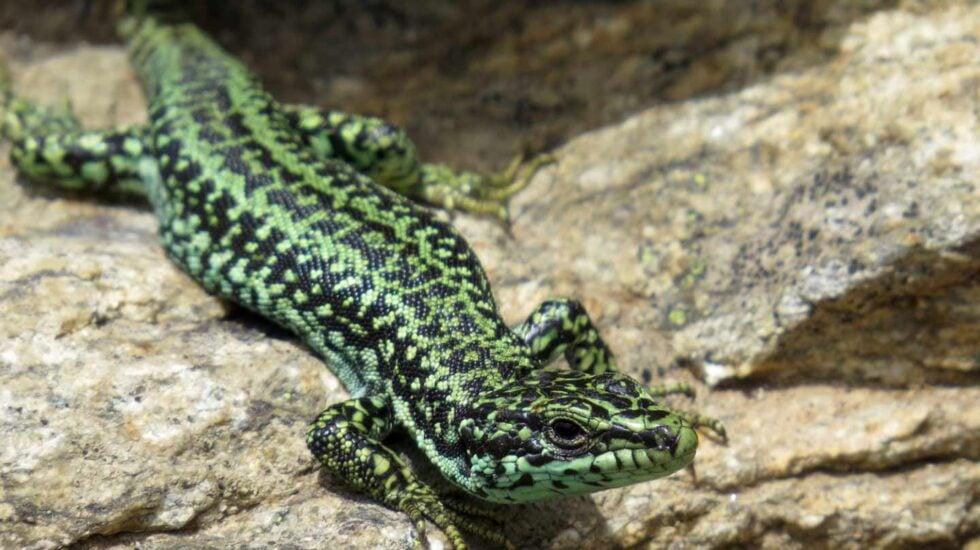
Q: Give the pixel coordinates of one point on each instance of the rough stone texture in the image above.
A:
(823, 224)
(805, 239)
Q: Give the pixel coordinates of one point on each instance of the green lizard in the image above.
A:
(304, 217)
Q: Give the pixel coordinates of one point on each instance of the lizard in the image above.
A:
(313, 219)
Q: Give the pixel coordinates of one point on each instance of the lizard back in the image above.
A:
(392, 297)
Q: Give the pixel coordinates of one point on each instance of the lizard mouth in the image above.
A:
(660, 455)
(536, 477)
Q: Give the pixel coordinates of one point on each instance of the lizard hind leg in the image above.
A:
(51, 147)
(377, 149)
(104, 162)
(384, 152)
(477, 193)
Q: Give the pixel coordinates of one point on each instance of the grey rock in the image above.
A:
(807, 244)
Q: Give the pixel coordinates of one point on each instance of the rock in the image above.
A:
(805, 241)
(824, 224)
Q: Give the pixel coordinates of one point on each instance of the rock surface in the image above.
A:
(807, 241)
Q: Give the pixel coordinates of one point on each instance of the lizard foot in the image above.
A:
(451, 515)
(476, 193)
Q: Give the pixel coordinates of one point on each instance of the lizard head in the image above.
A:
(564, 432)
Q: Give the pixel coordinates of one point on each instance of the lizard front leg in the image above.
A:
(563, 326)
(560, 326)
(346, 439)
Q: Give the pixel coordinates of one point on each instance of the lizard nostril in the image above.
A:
(666, 439)
(660, 437)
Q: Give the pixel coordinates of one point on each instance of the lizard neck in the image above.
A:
(434, 396)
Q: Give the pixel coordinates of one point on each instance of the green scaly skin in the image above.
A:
(302, 217)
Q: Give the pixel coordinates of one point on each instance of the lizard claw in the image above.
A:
(480, 194)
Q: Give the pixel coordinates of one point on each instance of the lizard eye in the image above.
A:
(565, 433)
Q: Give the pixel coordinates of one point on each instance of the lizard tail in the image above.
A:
(6, 95)
(132, 13)
(157, 8)
(5, 81)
